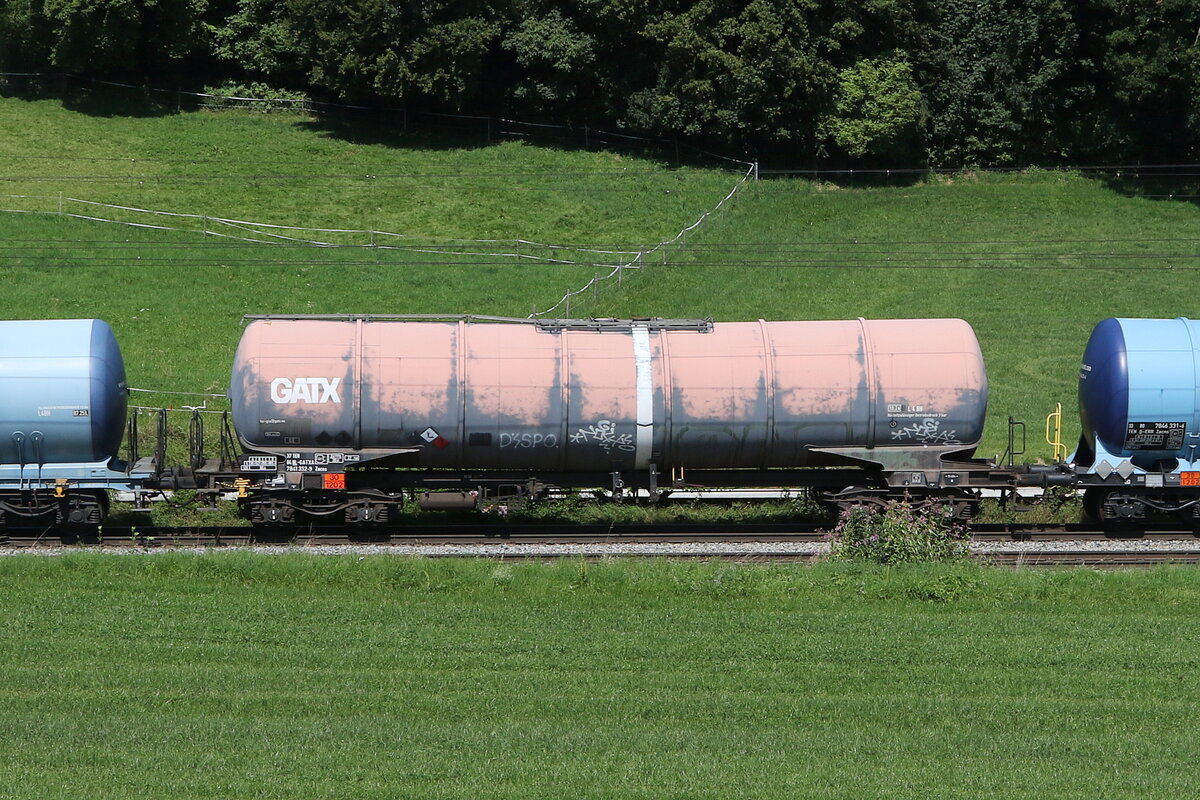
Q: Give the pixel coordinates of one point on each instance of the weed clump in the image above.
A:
(899, 534)
(254, 96)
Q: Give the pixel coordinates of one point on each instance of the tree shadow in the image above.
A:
(393, 129)
(424, 130)
(410, 129)
(131, 104)
(96, 99)
(853, 178)
(1176, 183)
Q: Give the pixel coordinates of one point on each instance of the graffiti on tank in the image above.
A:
(604, 433)
(927, 431)
(527, 441)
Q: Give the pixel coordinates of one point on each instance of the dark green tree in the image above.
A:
(555, 60)
(733, 70)
(878, 110)
(256, 38)
(1003, 78)
(137, 38)
(1145, 58)
(22, 36)
(401, 51)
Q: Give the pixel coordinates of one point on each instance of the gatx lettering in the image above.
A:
(305, 390)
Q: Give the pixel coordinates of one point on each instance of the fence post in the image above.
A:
(60, 204)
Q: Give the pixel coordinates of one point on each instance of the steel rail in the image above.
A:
(532, 533)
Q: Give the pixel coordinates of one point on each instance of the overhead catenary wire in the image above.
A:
(627, 248)
(890, 256)
(859, 252)
(734, 265)
(208, 222)
(549, 176)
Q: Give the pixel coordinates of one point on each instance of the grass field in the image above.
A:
(229, 675)
(1031, 260)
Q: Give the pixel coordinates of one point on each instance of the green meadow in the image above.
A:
(1032, 260)
(235, 675)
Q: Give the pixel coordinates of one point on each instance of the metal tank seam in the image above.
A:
(463, 354)
(1192, 344)
(644, 387)
(769, 391)
(872, 382)
(358, 379)
(667, 456)
(564, 381)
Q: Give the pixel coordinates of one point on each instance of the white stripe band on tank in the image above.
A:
(645, 396)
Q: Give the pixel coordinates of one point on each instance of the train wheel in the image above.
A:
(1119, 515)
(1093, 505)
(958, 507)
(964, 510)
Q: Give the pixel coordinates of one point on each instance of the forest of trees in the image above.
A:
(870, 82)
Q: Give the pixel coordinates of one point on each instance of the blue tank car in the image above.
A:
(1139, 402)
(63, 400)
(1138, 393)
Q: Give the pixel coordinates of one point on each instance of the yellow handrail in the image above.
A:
(1060, 449)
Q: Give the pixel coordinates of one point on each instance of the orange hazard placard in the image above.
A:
(1189, 479)
(335, 480)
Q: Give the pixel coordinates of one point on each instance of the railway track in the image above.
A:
(1020, 545)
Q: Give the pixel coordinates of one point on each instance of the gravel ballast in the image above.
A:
(645, 549)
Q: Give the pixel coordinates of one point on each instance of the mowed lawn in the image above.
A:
(231, 675)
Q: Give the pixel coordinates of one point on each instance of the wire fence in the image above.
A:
(616, 262)
(641, 259)
(254, 232)
(610, 263)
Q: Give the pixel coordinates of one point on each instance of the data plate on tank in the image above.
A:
(318, 461)
(1154, 435)
(257, 463)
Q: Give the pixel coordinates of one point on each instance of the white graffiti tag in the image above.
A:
(604, 433)
(527, 441)
(928, 431)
